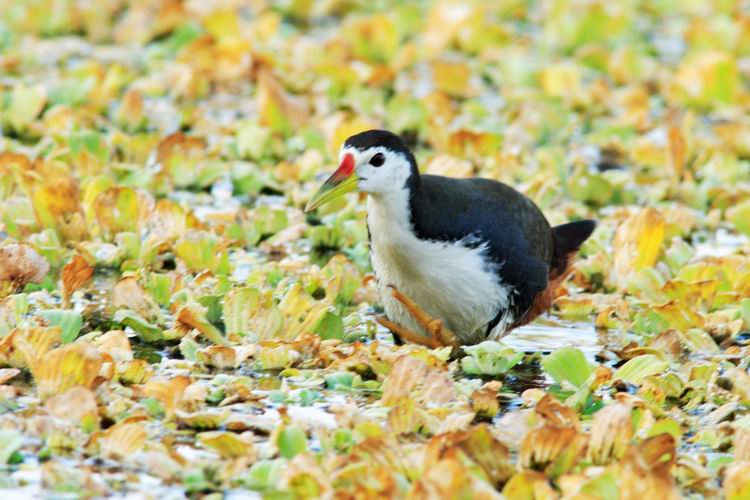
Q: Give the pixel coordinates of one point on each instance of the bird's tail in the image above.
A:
(568, 239)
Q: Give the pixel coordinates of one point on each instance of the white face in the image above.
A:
(379, 169)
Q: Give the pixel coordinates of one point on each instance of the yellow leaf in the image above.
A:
(68, 366)
(122, 439)
(280, 110)
(637, 244)
(453, 78)
(228, 444)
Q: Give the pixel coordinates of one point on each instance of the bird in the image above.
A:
(456, 261)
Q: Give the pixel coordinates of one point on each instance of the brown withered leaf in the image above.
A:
(128, 294)
(556, 414)
(116, 344)
(489, 453)
(611, 432)
(742, 444)
(449, 166)
(541, 447)
(23, 347)
(484, 401)
(75, 274)
(218, 356)
(168, 391)
(20, 265)
(168, 221)
(645, 471)
(412, 377)
(77, 405)
(122, 439)
(384, 452)
(529, 484)
(449, 478)
(179, 144)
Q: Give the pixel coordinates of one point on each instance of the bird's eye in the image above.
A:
(377, 160)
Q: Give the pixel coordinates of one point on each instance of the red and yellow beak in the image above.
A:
(343, 181)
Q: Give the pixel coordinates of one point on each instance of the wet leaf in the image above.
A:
(489, 358)
(20, 265)
(70, 322)
(640, 367)
(291, 440)
(75, 274)
(10, 442)
(568, 364)
(637, 244)
(60, 369)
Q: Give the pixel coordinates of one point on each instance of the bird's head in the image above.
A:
(374, 162)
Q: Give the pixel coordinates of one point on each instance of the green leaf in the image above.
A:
(70, 322)
(292, 440)
(145, 330)
(329, 326)
(263, 475)
(666, 426)
(568, 364)
(340, 380)
(10, 442)
(25, 105)
(739, 215)
(638, 368)
(489, 358)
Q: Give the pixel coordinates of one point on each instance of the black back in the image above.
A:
(519, 239)
(518, 236)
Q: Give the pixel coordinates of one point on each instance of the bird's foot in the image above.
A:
(408, 335)
(440, 335)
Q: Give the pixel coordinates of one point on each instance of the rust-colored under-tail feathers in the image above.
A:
(568, 239)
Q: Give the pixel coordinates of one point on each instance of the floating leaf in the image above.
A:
(70, 322)
(489, 358)
(610, 433)
(640, 367)
(146, 331)
(10, 442)
(20, 265)
(291, 440)
(568, 364)
(75, 274)
(121, 209)
(60, 369)
(76, 405)
(637, 244)
(227, 444)
(122, 439)
(200, 250)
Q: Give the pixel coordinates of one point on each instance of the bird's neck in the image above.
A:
(391, 209)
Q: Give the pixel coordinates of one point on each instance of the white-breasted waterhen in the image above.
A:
(457, 261)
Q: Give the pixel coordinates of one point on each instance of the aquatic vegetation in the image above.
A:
(172, 323)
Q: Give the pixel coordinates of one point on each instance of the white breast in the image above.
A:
(450, 281)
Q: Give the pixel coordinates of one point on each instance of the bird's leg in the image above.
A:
(407, 334)
(439, 333)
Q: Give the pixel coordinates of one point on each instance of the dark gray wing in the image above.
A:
(518, 235)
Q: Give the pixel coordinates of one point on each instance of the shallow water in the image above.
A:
(547, 336)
